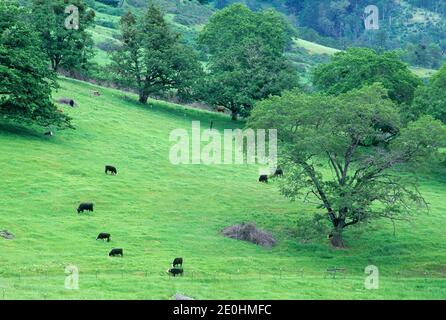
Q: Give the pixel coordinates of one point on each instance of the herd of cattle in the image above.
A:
(177, 265)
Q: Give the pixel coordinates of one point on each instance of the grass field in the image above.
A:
(157, 211)
(314, 48)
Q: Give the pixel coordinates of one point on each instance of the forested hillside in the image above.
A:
(415, 28)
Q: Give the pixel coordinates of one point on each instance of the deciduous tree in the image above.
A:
(26, 81)
(325, 145)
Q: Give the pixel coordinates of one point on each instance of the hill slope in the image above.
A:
(157, 211)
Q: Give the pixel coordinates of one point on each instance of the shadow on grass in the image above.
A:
(21, 131)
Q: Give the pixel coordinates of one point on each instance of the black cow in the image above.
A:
(111, 169)
(85, 207)
(49, 133)
(263, 178)
(116, 252)
(177, 262)
(104, 236)
(175, 271)
(279, 172)
(71, 103)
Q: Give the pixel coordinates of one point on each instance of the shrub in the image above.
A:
(249, 232)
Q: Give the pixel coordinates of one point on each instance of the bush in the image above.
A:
(249, 232)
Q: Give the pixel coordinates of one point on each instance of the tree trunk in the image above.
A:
(234, 115)
(143, 97)
(336, 238)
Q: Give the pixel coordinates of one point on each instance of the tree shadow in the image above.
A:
(17, 130)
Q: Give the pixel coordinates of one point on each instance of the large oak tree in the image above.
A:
(344, 153)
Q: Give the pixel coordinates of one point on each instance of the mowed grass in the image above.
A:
(157, 211)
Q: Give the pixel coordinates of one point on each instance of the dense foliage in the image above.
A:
(69, 48)
(247, 61)
(26, 81)
(431, 99)
(357, 67)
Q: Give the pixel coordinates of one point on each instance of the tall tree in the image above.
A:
(247, 61)
(152, 58)
(357, 67)
(70, 47)
(25, 80)
(316, 131)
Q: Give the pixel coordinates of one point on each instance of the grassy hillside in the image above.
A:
(314, 48)
(157, 211)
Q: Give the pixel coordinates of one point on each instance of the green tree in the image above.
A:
(25, 80)
(152, 58)
(316, 131)
(431, 99)
(357, 67)
(247, 61)
(65, 47)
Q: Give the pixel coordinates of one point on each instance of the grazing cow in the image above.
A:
(67, 101)
(177, 262)
(96, 93)
(263, 178)
(49, 133)
(111, 169)
(221, 109)
(104, 236)
(85, 207)
(279, 172)
(116, 252)
(175, 271)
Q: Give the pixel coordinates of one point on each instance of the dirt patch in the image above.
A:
(6, 235)
(249, 232)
